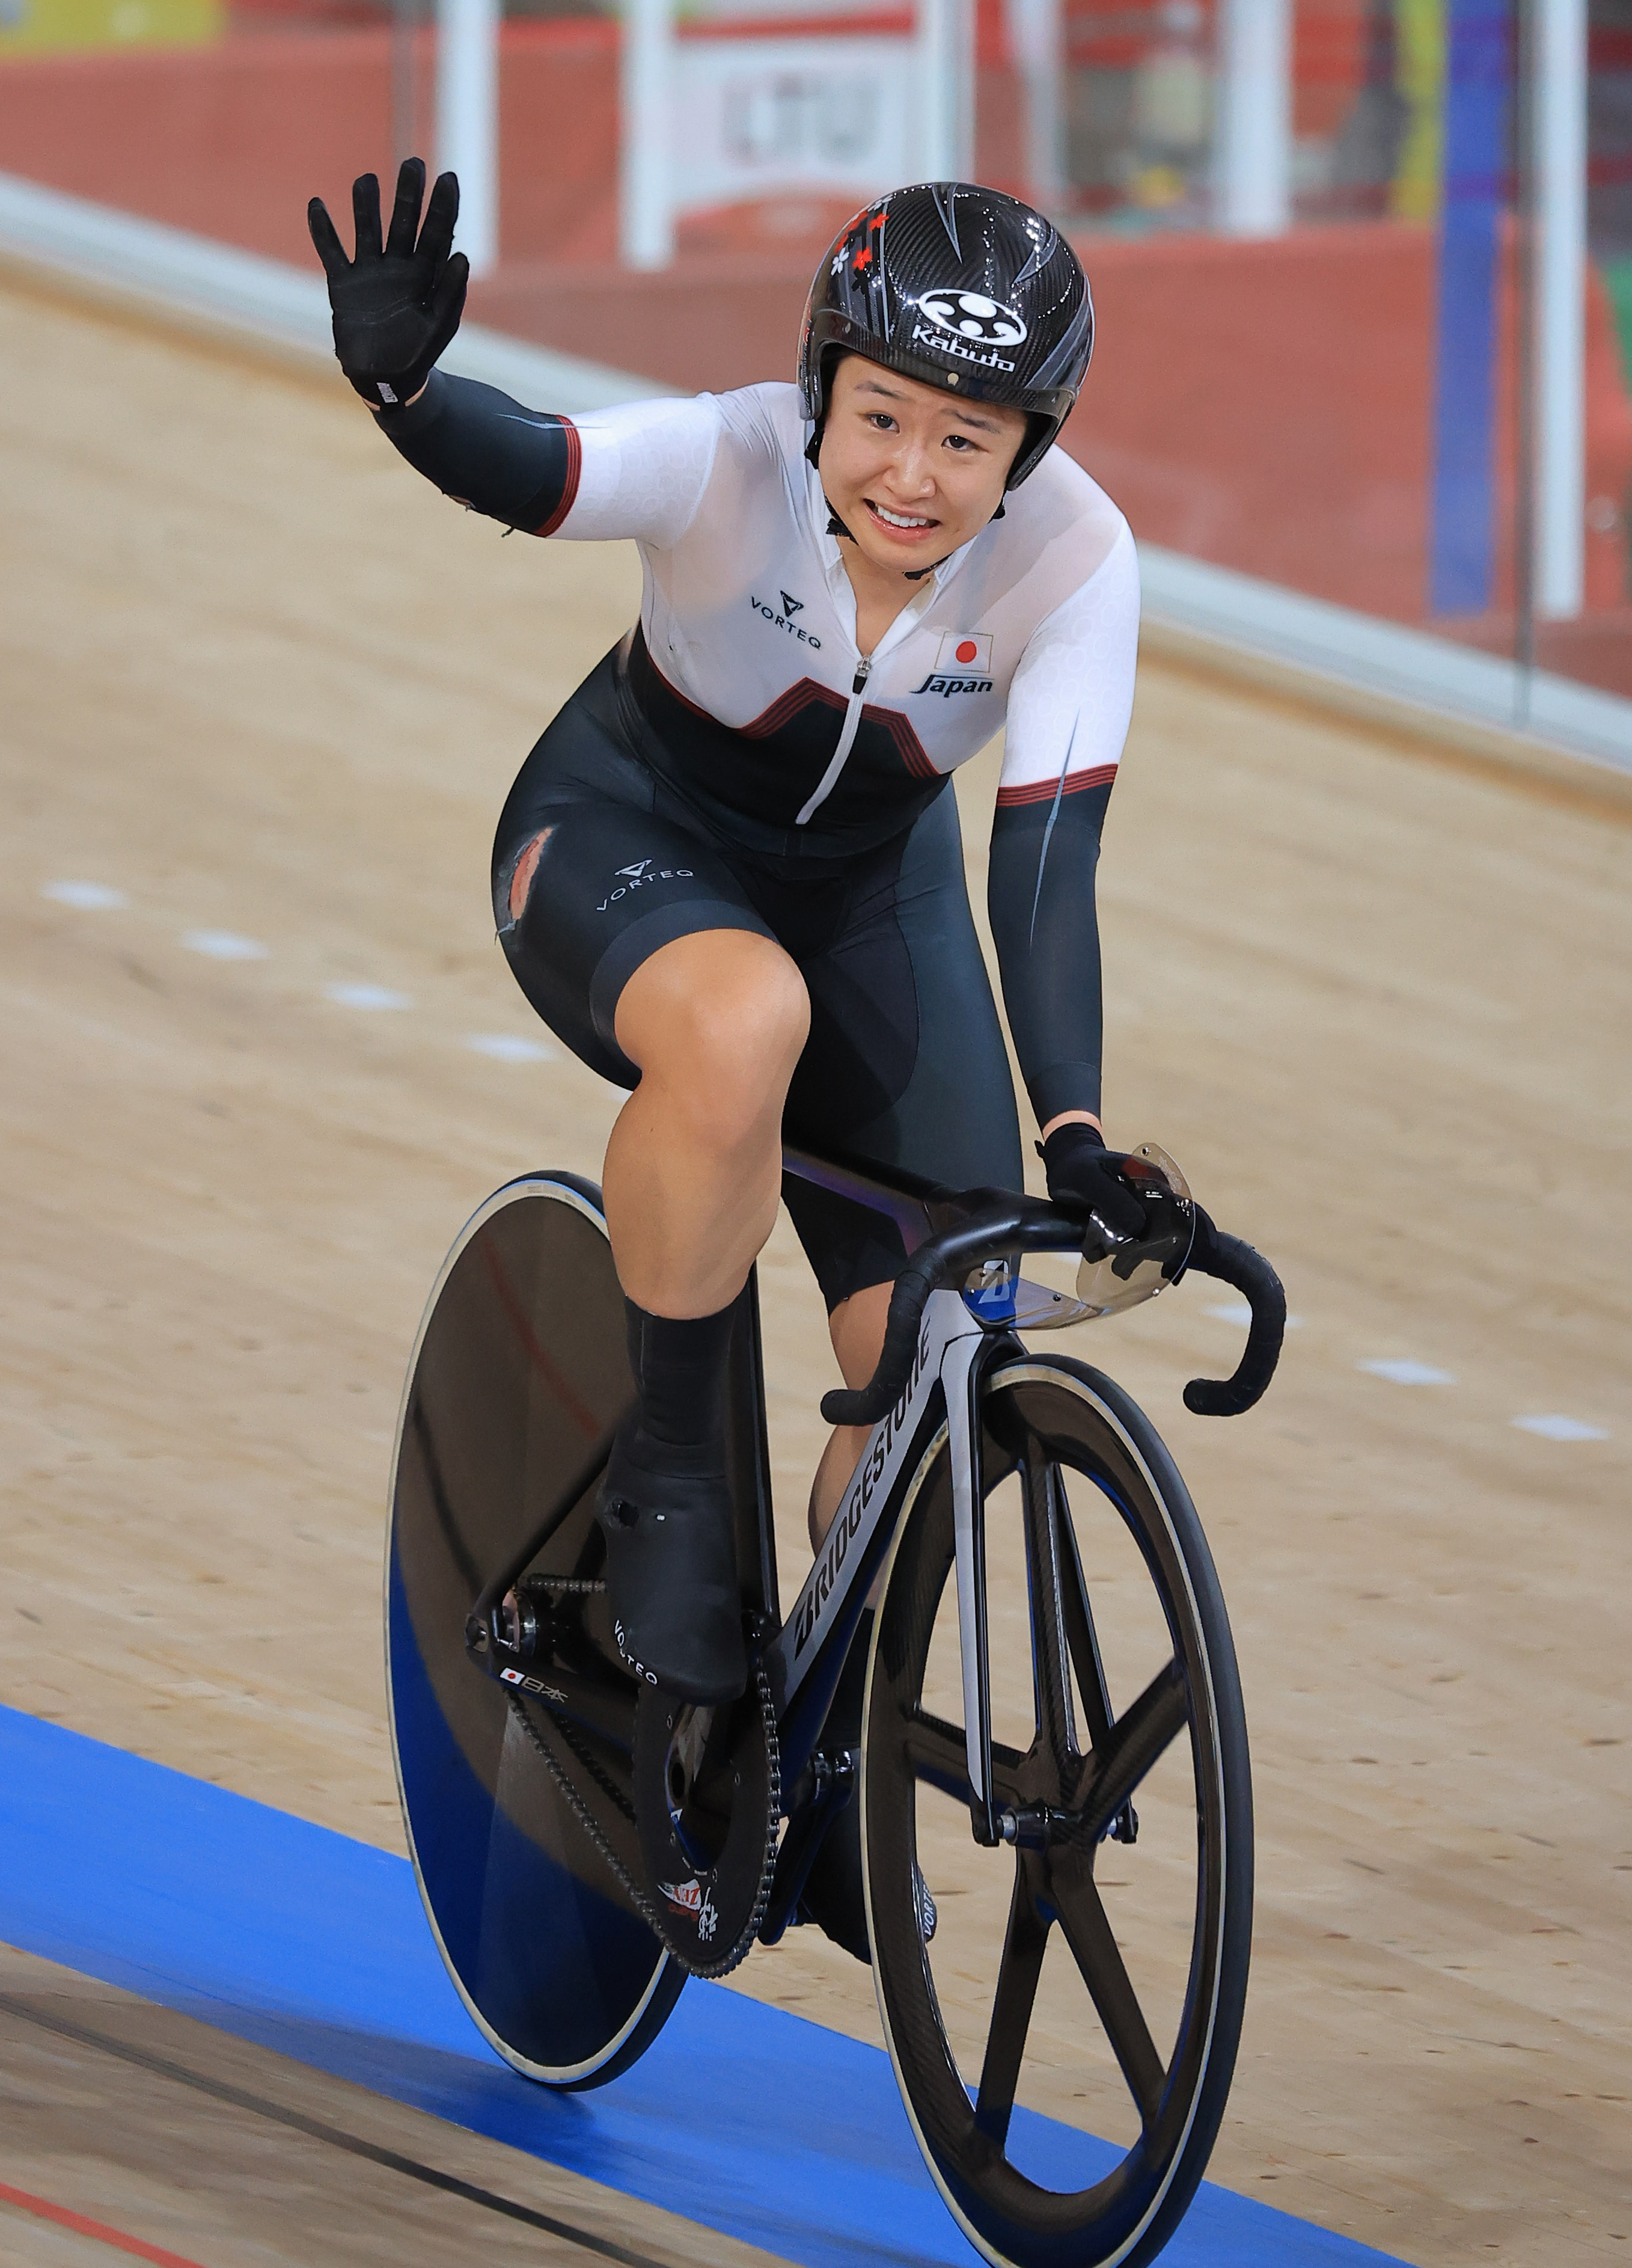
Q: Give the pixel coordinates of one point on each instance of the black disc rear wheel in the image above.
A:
(1096, 1971)
(514, 1794)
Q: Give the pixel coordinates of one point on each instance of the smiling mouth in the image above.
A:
(900, 523)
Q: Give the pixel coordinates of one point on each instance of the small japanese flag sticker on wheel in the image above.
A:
(965, 650)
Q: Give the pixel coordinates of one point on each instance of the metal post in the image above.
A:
(946, 78)
(1558, 94)
(963, 91)
(467, 140)
(1254, 117)
(645, 213)
(404, 80)
(1036, 36)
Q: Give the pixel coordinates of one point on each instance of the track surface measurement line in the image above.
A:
(82, 2225)
(318, 2129)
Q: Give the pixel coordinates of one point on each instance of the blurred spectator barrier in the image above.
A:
(731, 111)
(245, 296)
(1401, 385)
(1388, 672)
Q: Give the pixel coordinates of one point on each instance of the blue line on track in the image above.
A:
(743, 2119)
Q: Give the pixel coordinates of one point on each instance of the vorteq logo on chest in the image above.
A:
(791, 606)
(962, 666)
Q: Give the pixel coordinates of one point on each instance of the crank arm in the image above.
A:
(595, 1705)
(835, 1785)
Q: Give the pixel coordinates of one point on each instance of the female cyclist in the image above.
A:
(730, 875)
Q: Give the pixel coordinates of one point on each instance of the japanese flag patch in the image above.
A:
(965, 653)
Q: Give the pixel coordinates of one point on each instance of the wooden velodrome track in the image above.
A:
(261, 681)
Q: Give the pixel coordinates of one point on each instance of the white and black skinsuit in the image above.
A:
(736, 762)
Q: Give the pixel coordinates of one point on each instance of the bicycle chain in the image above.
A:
(634, 1889)
(773, 1815)
(574, 1741)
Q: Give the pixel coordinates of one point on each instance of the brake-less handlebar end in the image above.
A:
(1249, 1272)
(864, 1405)
(995, 1222)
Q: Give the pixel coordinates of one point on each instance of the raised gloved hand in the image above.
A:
(1083, 1180)
(396, 305)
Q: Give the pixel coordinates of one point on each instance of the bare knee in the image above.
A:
(734, 1057)
(526, 866)
(719, 1028)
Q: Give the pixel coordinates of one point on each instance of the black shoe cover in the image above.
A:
(672, 1568)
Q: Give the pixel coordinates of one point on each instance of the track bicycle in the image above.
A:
(1054, 1781)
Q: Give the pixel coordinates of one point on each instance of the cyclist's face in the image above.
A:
(911, 474)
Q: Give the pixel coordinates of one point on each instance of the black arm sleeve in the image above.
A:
(1039, 893)
(486, 451)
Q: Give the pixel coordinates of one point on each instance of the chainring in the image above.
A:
(707, 1803)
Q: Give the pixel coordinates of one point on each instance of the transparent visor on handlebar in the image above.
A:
(1139, 1269)
(1124, 1276)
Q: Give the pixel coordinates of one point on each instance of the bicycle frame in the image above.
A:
(805, 1653)
(804, 1658)
(941, 1366)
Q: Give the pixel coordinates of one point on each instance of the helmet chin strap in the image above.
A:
(835, 526)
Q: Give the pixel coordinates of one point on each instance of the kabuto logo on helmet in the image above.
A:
(972, 315)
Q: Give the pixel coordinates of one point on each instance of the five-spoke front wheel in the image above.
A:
(1095, 1972)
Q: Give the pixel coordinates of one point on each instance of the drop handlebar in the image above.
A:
(1031, 1225)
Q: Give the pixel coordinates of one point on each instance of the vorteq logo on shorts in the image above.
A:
(637, 876)
(962, 666)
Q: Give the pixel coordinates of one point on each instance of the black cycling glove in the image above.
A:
(396, 306)
(1081, 1178)
(1203, 1255)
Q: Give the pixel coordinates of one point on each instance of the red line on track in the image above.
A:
(59, 2214)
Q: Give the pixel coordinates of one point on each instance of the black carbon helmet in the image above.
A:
(961, 287)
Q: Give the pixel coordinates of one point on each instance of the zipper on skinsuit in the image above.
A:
(829, 779)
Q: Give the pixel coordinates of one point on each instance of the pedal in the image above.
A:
(523, 1624)
(515, 1626)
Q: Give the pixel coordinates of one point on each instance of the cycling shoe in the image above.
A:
(672, 1568)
